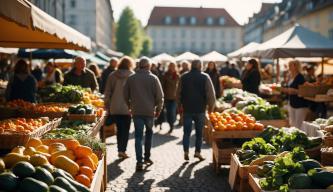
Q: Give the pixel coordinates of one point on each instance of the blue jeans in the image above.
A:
(171, 108)
(199, 123)
(123, 123)
(139, 123)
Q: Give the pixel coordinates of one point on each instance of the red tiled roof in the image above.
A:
(158, 15)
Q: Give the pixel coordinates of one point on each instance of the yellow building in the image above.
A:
(318, 19)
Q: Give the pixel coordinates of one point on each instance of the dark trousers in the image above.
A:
(140, 122)
(171, 109)
(123, 123)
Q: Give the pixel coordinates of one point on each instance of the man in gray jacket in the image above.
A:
(144, 96)
(195, 92)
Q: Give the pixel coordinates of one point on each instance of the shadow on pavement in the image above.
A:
(114, 169)
(203, 179)
(192, 143)
(137, 182)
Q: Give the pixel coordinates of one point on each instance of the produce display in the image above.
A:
(69, 129)
(270, 89)
(232, 121)
(324, 122)
(93, 99)
(82, 109)
(252, 104)
(48, 165)
(37, 108)
(294, 170)
(273, 141)
(21, 125)
(62, 94)
(229, 82)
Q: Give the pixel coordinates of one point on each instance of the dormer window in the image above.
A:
(210, 21)
(221, 21)
(167, 20)
(182, 20)
(193, 20)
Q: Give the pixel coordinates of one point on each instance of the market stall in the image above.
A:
(243, 50)
(187, 56)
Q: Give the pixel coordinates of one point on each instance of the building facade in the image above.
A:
(199, 30)
(317, 15)
(254, 29)
(94, 18)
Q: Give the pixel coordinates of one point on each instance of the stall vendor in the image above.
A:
(80, 75)
(298, 107)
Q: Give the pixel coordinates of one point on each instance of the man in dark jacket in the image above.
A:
(105, 74)
(144, 96)
(80, 75)
(195, 92)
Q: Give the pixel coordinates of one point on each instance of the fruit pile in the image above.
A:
(230, 121)
(21, 125)
(81, 109)
(229, 82)
(62, 94)
(48, 165)
(37, 108)
(93, 99)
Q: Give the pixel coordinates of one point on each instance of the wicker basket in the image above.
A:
(313, 153)
(327, 156)
(9, 141)
(328, 141)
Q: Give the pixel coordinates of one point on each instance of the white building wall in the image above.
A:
(176, 39)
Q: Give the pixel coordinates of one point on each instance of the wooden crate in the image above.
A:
(312, 91)
(328, 141)
(254, 183)
(222, 154)
(314, 153)
(235, 134)
(326, 157)
(238, 175)
(98, 183)
(275, 123)
(87, 118)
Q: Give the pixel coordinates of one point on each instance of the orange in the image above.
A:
(83, 179)
(87, 171)
(86, 161)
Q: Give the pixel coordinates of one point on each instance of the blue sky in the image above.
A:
(241, 10)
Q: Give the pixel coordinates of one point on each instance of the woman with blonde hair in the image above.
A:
(298, 107)
(115, 103)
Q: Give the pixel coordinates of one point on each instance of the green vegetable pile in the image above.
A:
(264, 111)
(294, 171)
(69, 129)
(62, 94)
(273, 141)
(81, 109)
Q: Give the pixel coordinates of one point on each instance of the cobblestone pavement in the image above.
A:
(169, 172)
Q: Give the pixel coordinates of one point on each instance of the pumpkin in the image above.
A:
(83, 179)
(29, 151)
(71, 144)
(65, 163)
(43, 148)
(34, 142)
(67, 153)
(85, 170)
(86, 161)
(55, 147)
(82, 151)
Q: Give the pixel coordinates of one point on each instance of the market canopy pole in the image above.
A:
(23, 25)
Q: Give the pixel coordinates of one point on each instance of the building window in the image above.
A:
(182, 20)
(193, 20)
(330, 34)
(309, 6)
(174, 35)
(193, 33)
(221, 21)
(210, 21)
(167, 20)
(72, 20)
(73, 3)
(203, 33)
(164, 33)
(183, 33)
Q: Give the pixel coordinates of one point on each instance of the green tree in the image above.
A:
(146, 46)
(129, 37)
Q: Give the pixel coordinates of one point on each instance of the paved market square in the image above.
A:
(169, 171)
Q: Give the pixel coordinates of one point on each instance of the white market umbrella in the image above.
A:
(214, 56)
(163, 57)
(297, 41)
(187, 56)
(250, 47)
(8, 50)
